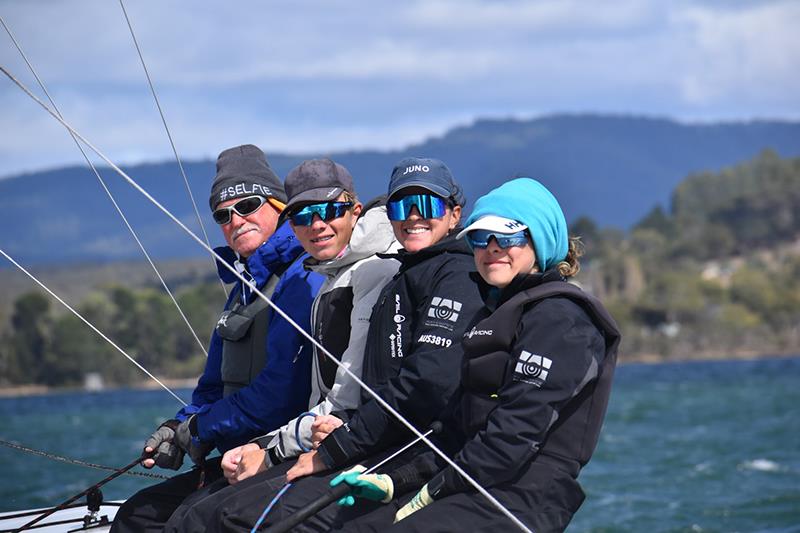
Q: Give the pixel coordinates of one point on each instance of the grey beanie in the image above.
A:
(244, 171)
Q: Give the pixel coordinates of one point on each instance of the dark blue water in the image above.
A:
(694, 447)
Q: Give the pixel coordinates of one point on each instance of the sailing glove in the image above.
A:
(376, 487)
(420, 500)
(187, 440)
(166, 453)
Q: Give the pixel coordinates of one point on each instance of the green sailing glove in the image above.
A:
(420, 500)
(376, 487)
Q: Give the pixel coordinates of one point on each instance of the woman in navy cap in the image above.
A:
(535, 382)
(412, 355)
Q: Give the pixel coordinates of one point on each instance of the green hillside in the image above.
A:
(716, 276)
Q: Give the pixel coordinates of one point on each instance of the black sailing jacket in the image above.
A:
(413, 352)
(535, 385)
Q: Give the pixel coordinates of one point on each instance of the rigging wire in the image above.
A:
(77, 314)
(78, 462)
(106, 189)
(280, 311)
(169, 136)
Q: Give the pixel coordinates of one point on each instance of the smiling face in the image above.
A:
(415, 233)
(326, 240)
(246, 234)
(498, 266)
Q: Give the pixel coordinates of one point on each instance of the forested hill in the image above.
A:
(612, 169)
(718, 274)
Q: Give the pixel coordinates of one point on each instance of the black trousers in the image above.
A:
(150, 508)
(198, 511)
(544, 499)
(222, 507)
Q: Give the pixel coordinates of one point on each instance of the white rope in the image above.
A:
(108, 192)
(286, 317)
(169, 136)
(77, 314)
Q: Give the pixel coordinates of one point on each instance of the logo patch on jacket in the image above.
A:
(444, 309)
(532, 368)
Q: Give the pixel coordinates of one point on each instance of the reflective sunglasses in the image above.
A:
(244, 207)
(327, 211)
(428, 205)
(480, 238)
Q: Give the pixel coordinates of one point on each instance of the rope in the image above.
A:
(77, 314)
(297, 430)
(269, 507)
(77, 462)
(108, 192)
(283, 314)
(169, 136)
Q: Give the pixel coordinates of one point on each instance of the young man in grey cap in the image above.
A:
(343, 238)
(257, 373)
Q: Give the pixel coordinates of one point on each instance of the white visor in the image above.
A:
(494, 223)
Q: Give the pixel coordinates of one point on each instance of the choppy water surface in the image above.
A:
(695, 447)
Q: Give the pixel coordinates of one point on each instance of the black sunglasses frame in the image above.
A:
(235, 208)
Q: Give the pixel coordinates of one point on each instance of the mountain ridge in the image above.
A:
(611, 168)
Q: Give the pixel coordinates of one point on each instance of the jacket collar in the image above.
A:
(449, 244)
(272, 257)
(494, 297)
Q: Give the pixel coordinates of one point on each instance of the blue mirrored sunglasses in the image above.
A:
(428, 205)
(480, 238)
(327, 211)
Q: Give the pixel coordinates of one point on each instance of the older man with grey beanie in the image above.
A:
(257, 375)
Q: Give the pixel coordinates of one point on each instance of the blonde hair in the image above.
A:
(570, 265)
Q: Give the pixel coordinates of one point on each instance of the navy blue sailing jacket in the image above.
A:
(281, 389)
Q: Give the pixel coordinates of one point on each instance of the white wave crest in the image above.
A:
(762, 465)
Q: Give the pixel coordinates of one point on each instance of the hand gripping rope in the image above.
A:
(500, 507)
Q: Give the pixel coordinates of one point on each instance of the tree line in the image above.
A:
(717, 274)
(49, 346)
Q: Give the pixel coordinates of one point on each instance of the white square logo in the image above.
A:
(444, 309)
(532, 368)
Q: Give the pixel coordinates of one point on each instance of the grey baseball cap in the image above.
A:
(315, 181)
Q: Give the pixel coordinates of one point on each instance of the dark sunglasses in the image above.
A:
(326, 211)
(244, 207)
(480, 238)
(428, 205)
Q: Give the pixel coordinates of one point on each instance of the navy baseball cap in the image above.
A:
(315, 181)
(428, 173)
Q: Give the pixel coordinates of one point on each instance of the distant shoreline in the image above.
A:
(189, 383)
(41, 390)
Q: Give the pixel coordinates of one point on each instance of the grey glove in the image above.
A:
(167, 454)
(190, 444)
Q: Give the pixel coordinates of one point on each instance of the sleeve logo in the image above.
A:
(532, 368)
(444, 309)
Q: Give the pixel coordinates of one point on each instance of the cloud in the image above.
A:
(314, 75)
(752, 52)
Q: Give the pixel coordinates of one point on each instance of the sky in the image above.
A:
(319, 76)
